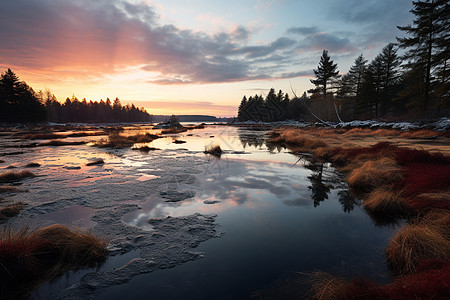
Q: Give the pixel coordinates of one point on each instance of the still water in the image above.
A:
(280, 215)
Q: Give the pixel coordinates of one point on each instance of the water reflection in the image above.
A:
(319, 190)
(257, 139)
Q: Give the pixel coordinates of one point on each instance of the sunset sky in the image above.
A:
(188, 57)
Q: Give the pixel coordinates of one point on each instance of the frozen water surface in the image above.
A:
(181, 224)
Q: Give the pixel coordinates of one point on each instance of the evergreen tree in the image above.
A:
(326, 75)
(356, 74)
(442, 56)
(18, 101)
(241, 109)
(425, 38)
(390, 64)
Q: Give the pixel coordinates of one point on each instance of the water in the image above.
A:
(281, 214)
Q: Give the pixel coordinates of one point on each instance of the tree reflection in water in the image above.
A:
(323, 179)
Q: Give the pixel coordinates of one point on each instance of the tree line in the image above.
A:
(274, 107)
(20, 103)
(412, 85)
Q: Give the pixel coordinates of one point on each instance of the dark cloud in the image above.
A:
(327, 41)
(297, 74)
(371, 11)
(303, 30)
(377, 19)
(261, 51)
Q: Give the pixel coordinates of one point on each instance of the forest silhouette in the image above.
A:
(19, 103)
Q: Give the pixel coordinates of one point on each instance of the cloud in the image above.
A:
(92, 38)
(333, 43)
(305, 73)
(260, 51)
(303, 30)
(316, 40)
(376, 19)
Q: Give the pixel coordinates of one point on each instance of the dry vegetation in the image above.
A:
(430, 282)
(427, 238)
(398, 175)
(96, 162)
(116, 140)
(9, 189)
(9, 211)
(179, 129)
(28, 259)
(145, 149)
(12, 176)
(214, 150)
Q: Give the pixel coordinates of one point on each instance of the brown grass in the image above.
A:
(9, 189)
(174, 130)
(115, 140)
(374, 174)
(43, 136)
(32, 165)
(57, 143)
(328, 287)
(423, 133)
(386, 202)
(214, 150)
(145, 148)
(12, 176)
(386, 132)
(427, 238)
(74, 248)
(28, 259)
(10, 211)
(96, 162)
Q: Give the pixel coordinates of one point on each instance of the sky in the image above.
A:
(188, 57)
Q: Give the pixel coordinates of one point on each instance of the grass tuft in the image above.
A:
(28, 259)
(9, 211)
(145, 149)
(32, 165)
(214, 150)
(115, 140)
(96, 162)
(425, 239)
(9, 189)
(328, 287)
(373, 174)
(387, 203)
(12, 176)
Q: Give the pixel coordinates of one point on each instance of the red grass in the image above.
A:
(422, 178)
(379, 149)
(432, 282)
(428, 201)
(410, 156)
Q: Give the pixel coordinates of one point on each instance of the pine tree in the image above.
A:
(425, 38)
(241, 109)
(326, 75)
(356, 74)
(18, 101)
(442, 56)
